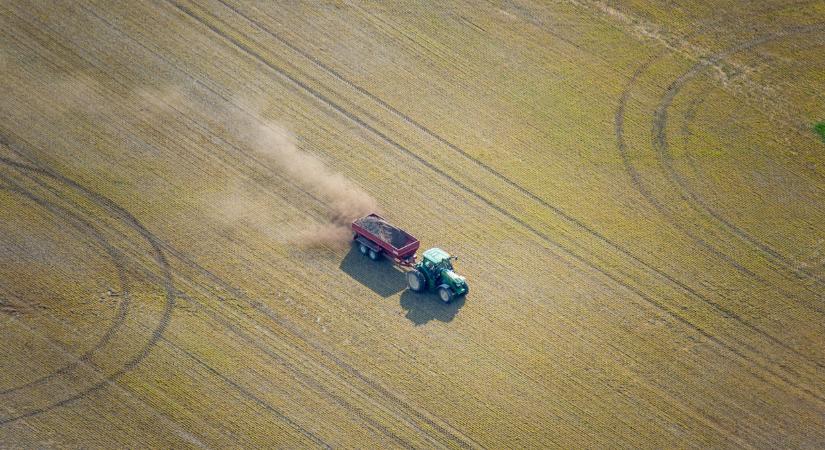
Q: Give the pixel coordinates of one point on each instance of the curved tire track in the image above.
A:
(159, 258)
(661, 145)
(117, 259)
(149, 273)
(640, 186)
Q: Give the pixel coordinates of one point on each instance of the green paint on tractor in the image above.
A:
(820, 130)
(435, 272)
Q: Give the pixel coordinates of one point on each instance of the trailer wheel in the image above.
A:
(373, 255)
(445, 293)
(415, 280)
(362, 248)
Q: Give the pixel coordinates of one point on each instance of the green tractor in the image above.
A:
(435, 271)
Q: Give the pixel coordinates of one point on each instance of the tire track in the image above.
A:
(249, 395)
(449, 144)
(690, 116)
(265, 170)
(243, 391)
(164, 418)
(300, 376)
(661, 145)
(640, 186)
(123, 305)
(668, 215)
(156, 337)
(245, 48)
(660, 142)
(179, 294)
(158, 256)
(707, 422)
(686, 135)
(691, 193)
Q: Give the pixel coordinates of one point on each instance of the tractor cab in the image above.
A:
(435, 258)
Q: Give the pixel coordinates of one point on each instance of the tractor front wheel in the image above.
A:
(445, 293)
(415, 280)
(362, 248)
(373, 255)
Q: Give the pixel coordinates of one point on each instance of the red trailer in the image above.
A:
(375, 237)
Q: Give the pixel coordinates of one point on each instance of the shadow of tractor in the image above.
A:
(386, 280)
(381, 276)
(426, 306)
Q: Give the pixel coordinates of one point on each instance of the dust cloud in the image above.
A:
(344, 200)
(247, 124)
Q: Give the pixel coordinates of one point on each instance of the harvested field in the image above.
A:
(636, 192)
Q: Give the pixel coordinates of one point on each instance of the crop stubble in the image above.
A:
(548, 377)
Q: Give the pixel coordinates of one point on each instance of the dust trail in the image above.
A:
(246, 123)
(344, 199)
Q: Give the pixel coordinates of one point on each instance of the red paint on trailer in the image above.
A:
(403, 255)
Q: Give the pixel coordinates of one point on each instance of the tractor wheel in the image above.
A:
(445, 293)
(374, 255)
(362, 248)
(416, 281)
(466, 290)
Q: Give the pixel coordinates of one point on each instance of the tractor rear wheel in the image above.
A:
(362, 248)
(445, 293)
(416, 281)
(374, 255)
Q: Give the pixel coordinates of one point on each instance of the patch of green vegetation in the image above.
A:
(820, 130)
